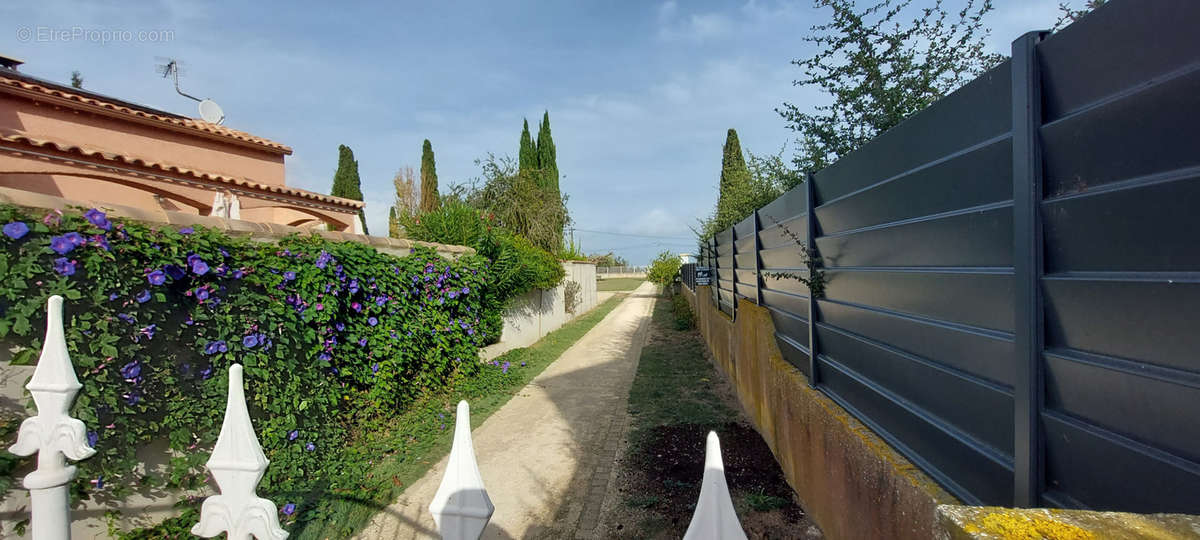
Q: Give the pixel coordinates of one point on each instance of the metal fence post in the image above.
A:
(733, 261)
(237, 464)
(1028, 396)
(811, 247)
(758, 298)
(53, 434)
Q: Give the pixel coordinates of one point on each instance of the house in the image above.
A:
(83, 146)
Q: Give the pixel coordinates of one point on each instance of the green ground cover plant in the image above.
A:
(334, 338)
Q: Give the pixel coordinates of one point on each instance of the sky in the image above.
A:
(640, 93)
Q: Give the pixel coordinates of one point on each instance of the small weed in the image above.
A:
(643, 501)
(761, 502)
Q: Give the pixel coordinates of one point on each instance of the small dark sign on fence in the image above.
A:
(703, 275)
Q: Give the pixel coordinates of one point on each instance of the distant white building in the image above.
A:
(686, 258)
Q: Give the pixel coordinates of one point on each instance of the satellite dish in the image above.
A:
(211, 112)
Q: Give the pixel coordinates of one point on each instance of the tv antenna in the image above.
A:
(209, 110)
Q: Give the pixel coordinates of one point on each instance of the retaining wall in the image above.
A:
(542, 311)
(850, 481)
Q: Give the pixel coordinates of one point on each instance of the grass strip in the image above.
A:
(421, 435)
(619, 284)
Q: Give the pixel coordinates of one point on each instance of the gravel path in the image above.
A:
(546, 455)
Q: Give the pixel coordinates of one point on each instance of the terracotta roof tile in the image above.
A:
(7, 82)
(174, 169)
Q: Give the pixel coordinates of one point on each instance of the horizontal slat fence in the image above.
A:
(1012, 276)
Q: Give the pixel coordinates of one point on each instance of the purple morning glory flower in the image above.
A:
(362, 342)
(156, 277)
(504, 368)
(372, 321)
(199, 267)
(237, 274)
(174, 271)
(127, 318)
(466, 290)
(310, 447)
(64, 266)
(131, 370)
(289, 275)
(100, 241)
(206, 373)
(324, 356)
(288, 509)
(201, 294)
(61, 245)
(75, 238)
(323, 259)
(98, 218)
(16, 230)
(187, 230)
(470, 331)
(143, 296)
(522, 364)
(353, 287)
(250, 341)
(214, 347)
(99, 481)
(381, 301)
(340, 327)
(149, 331)
(375, 367)
(357, 307)
(93, 438)
(293, 434)
(113, 296)
(132, 398)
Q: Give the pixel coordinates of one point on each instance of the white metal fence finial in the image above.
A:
(53, 434)
(714, 518)
(238, 464)
(461, 507)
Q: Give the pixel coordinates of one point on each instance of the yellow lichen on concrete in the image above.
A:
(974, 522)
(1024, 527)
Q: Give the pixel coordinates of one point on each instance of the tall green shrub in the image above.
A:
(429, 180)
(663, 270)
(346, 183)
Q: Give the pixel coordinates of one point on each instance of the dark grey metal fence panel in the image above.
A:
(977, 176)
(1011, 293)
(1100, 392)
(980, 352)
(1166, 236)
(1090, 467)
(973, 298)
(938, 450)
(744, 229)
(1118, 48)
(973, 238)
(977, 112)
(1144, 132)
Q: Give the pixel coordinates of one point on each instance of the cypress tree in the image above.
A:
(527, 159)
(429, 182)
(393, 223)
(547, 156)
(346, 183)
(548, 168)
(735, 177)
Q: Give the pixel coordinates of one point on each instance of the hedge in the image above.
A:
(330, 334)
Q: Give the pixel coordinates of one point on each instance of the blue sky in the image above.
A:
(640, 94)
